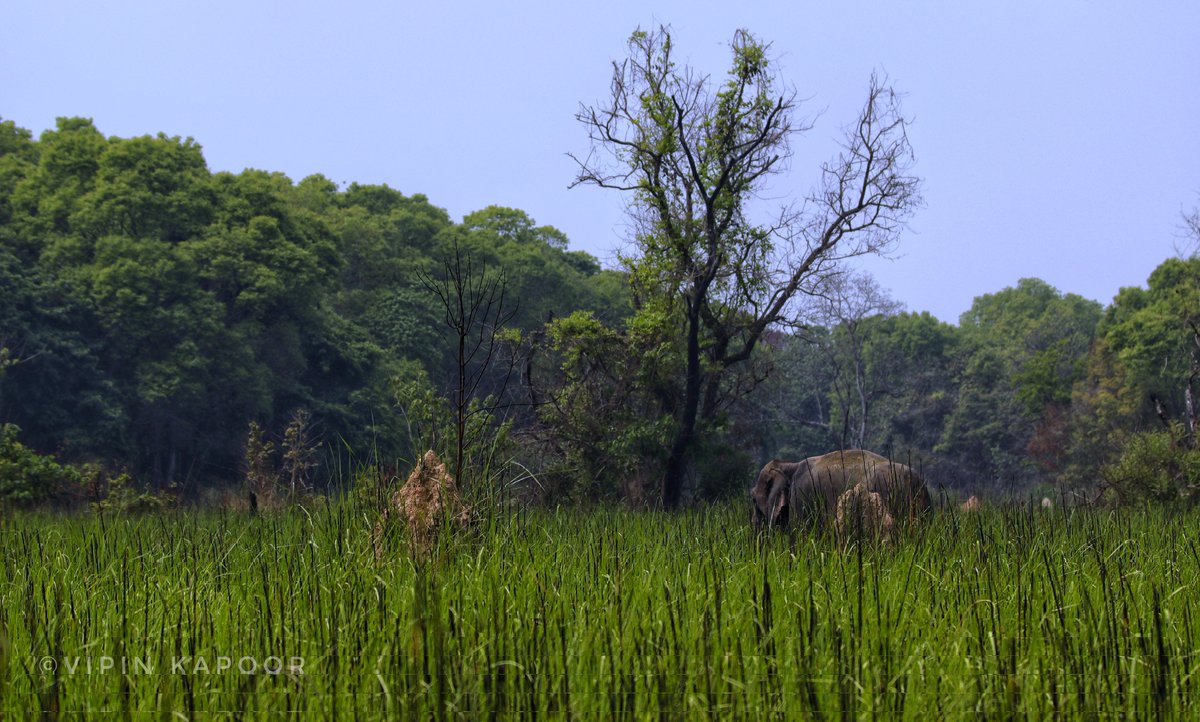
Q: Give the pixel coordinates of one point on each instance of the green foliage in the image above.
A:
(51, 382)
(47, 196)
(1103, 413)
(426, 413)
(1040, 335)
(18, 158)
(151, 307)
(607, 432)
(1139, 374)
(788, 416)
(15, 141)
(121, 494)
(428, 420)
(1154, 466)
(152, 188)
(987, 430)
(1023, 353)
(27, 477)
(1150, 331)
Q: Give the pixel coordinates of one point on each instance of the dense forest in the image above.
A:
(176, 329)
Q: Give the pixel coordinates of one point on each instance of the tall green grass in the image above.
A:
(600, 615)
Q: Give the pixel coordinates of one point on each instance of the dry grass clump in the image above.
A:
(861, 511)
(429, 496)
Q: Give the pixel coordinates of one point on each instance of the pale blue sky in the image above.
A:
(1057, 138)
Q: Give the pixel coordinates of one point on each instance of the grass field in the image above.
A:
(598, 615)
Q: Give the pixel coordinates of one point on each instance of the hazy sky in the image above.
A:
(1057, 138)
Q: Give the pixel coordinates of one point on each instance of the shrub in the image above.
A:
(122, 495)
(27, 477)
(1154, 466)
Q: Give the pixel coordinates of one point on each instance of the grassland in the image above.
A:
(598, 615)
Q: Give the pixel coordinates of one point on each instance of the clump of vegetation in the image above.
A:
(428, 500)
(862, 516)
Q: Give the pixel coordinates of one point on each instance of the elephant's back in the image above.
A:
(851, 465)
(844, 469)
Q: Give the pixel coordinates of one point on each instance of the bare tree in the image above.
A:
(1190, 246)
(475, 307)
(695, 157)
(845, 305)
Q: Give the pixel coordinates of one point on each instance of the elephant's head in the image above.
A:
(769, 494)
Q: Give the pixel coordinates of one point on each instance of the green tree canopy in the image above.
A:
(1151, 330)
(1025, 349)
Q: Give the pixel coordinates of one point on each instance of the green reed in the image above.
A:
(604, 614)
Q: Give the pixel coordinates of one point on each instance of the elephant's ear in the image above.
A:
(764, 494)
(778, 505)
(777, 500)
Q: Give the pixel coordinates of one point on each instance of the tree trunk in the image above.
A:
(172, 463)
(676, 472)
(1188, 398)
(1189, 406)
(460, 401)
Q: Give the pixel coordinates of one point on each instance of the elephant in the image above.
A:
(806, 492)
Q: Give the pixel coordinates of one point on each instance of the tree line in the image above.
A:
(189, 329)
(1033, 390)
(153, 309)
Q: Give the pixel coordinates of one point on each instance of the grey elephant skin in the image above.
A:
(805, 493)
